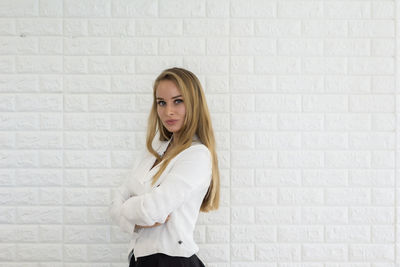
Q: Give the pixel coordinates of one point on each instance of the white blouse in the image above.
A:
(179, 191)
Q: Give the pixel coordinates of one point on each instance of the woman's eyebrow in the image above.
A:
(171, 97)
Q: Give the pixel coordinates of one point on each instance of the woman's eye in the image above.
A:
(161, 103)
(177, 101)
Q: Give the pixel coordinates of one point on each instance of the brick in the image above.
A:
(325, 65)
(371, 178)
(90, 8)
(86, 234)
(85, 159)
(243, 252)
(372, 66)
(159, 27)
(324, 215)
(277, 215)
(383, 159)
(300, 9)
(207, 65)
(318, 28)
(252, 8)
(383, 196)
(278, 252)
(347, 10)
(382, 48)
(39, 252)
(347, 233)
(74, 252)
(39, 215)
(348, 122)
(324, 178)
(347, 196)
(8, 252)
(182, 46)
(371, 215)
(382, 234)
(87, 46)
(371, 252)
(7, 64)
(41, 140)
(330, 252)
(217, 234)
(50, 233)
(43, 102)
(252, 83)
(51, 45)
(39, 64)
(383, 84)
(241, 27)
(155, 64)
(242, 177)
(254, 121)
(12, 8)
(371, 28)
(217, 8)
(278, 141)
(129, 8)
(51, 8)
(300, 159)
(371, 103)
(348, 84)
(86, 83)
(253, 233)
(353, 47)
(383, 9)
(295, 47)
(181, 8)
(253, 46)
(301, 84)
(242, 215)
(7, 26)
(216, 84)
(277, 65)
(295, 234)
(43, 177)
(75, 27)
(111, 27)
(39, 26)
(241, 64)
(134, 46)
(217, 46)
(216, 103)
(277, 28)
(253, 196)
(206, 27)
(300, 196)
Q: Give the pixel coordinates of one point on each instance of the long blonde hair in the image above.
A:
(197, 121)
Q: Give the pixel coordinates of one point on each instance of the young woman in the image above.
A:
(175, 177)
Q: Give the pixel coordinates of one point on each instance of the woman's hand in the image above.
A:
(151, 226)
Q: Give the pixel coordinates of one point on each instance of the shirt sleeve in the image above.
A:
(120, 195)
(190, 172)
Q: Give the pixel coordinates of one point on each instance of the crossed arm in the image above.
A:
(190, 172)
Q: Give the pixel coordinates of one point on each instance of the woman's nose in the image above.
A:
(170, 110)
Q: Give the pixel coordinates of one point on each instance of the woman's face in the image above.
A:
(170, 107)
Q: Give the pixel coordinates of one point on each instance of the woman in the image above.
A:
(176, 177)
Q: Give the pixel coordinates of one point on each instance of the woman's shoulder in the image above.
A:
(197, 151)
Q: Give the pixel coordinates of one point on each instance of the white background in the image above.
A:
(303, 100)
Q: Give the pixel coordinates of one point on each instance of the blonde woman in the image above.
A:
(176, 177)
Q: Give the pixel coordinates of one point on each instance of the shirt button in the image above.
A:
(180, 242)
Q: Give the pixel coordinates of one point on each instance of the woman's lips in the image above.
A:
(171, 122)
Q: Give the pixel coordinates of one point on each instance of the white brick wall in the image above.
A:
(305, 104)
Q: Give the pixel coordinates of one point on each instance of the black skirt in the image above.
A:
(163, 260)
